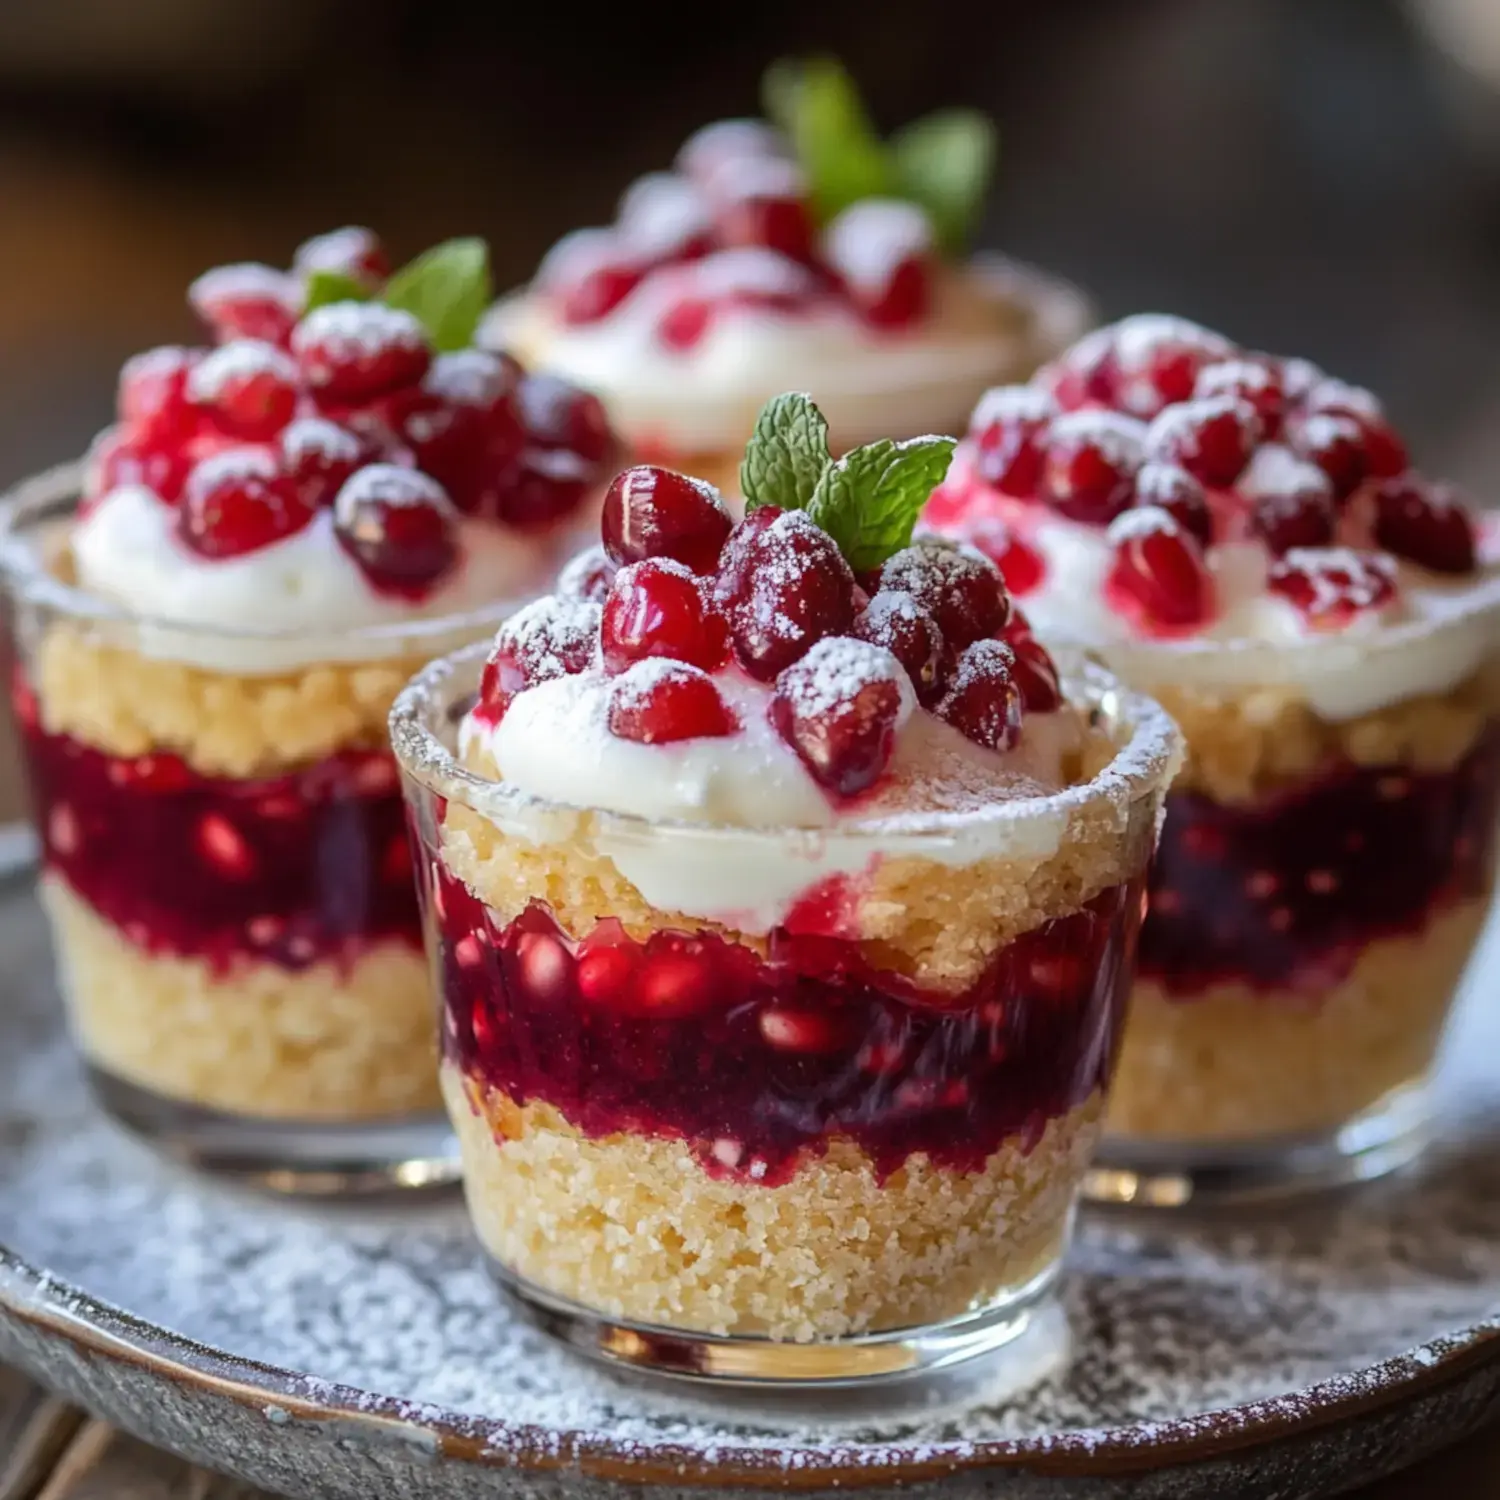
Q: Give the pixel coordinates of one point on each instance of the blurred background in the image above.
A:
(1320, 176)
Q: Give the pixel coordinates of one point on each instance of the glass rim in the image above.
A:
(24, 572)
(1143, 765)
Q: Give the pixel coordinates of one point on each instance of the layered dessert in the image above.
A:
(783, 904)
(799, 251)
(210, 634)
(1244, 537)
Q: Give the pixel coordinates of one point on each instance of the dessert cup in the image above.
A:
(778, 1010)
(201, 682)
(742, 272)
(1324, 625)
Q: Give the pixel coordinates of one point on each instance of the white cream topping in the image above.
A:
(305, 589)
(554, 744)
(990, 324)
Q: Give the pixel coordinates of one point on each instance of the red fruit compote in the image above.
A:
(756, 264)
(1244, 537)
(783, 925)
(210, 628)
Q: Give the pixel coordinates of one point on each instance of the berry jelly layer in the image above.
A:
(291, 869)
(1283, 894)
(756, 1059)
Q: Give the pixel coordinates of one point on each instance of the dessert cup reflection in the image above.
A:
(755, 1078)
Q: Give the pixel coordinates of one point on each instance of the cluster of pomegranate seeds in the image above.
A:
(252, 438)
(1179, 442)
(1333, 585)
(732, 226)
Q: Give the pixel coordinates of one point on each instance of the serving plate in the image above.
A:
(362, 1352)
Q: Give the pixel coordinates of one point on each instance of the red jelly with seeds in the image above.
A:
(1283, 894)
(289, 869)
(756, 1060)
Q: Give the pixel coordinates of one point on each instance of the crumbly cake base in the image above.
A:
(330, 1042)
(126, 704)
(634, 1227)
(1241, 745)
(1234, 1064)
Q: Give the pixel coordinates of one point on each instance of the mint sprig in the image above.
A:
(942, 162)
(324, 287)
(786, 455)
(868, 501)
(447, 289)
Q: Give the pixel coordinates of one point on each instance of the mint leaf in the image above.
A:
(786, 455)
(447, 289)
(944, 162)
(324, 287)
(817, 106)
(869, 500)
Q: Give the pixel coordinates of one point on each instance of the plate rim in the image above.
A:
(47, 1304)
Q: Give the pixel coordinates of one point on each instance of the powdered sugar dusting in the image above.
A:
(1276, 471)
(467, 377)
(836, 670)
(1013, 403)
(358, 328)
(245, 279)
(388, 484)
(317, 435)
(869, 239)
(239, 359)
(551, 636)
(1140, 522)
(1119, 437)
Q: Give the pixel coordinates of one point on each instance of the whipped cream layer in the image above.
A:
(991, 322)
(1433, 634)
(554, 745)
(289, 605)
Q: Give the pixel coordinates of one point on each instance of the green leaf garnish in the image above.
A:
(447, 289)
(324, 287)
(818, 108)
(944, 162)
(786, 455)
(868, 501)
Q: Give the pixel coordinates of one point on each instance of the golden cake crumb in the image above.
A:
(635, 1227)
(328, 1042)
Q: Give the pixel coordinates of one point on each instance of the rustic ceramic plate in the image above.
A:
(363, 1353)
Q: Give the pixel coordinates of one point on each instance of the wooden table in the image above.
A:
(50, 1451)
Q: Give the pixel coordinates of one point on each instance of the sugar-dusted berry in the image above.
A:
(249, 388)
(1211, 437)
(399, 525)
(247, 301)
(238, 502)
(895, 621)
(1424, 523)
(1158, 576)
(1007, 432)
(658, 702)
(1333, 585)
(657, 608)
(355, 351)
(957, 585)
(1090, 463)
(655, 512)
(982, 700)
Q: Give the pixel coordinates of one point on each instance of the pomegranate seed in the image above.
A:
(651, 512)
(355, 351)
(1385, 452)
(1253, 378)
(558, 415)
(587, 576)
(881, 250)
(1157, 359)
(546, 968)
(709, 149)
(473, 377)
(549, 638)
(1333, 585)
(839, 708)
(1291, 500)
(657, 608)
(894, 621)
(237, 502)
(116, 460)
(247, 301)
(794, 1030)
(353, 251)
(982, 701)
(1090, 464)
(542, 489)
(1021, 565)
(1008, 432)
(1083, 376)
(250, 387)
(318, 456)
(1424, 523)
(1211, 438)
(1034, 673)
(674, 984)
(1174, 490)
(657, 702)
(1158, 575)
(1335, 442)
(785, 586)
(683, 325)
(761, 201)
(598, 291)
(400, 527)
(605, 972)
(153, 396)
(664, 218)
(958, 586)
(223, 847)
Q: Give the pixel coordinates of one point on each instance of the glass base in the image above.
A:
(312, 1158)
(1391, 1134)
(769, 1364)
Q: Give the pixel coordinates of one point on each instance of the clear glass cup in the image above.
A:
(845, 1149)
(225, 868)
(1325, 870)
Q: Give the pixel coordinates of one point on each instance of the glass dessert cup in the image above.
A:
(842, 1150)
(1325, 870)
(225, 868)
